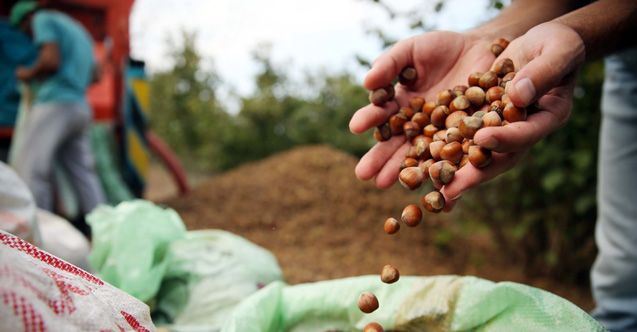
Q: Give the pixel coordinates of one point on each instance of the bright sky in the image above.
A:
(305, 35)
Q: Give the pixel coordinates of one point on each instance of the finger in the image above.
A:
(389, 174)
(388, 65)
(372, 162)
(371, 116)
(545, 71)
(521, 135)
(469, 176)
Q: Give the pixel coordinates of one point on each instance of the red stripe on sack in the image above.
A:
(31, 319)
(133, 322)
(33, 251)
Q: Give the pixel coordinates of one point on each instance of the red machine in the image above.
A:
(120, 96)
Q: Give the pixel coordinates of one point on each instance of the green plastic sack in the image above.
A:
(130, 245)
(209, 274)
(444, 303)
(103, 145)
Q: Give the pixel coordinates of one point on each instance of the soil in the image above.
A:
(307, 207)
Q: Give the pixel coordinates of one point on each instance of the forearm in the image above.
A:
(605, 26)
(521, 15)
(47, 62)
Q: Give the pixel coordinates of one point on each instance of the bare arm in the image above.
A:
(47, 63)
(605, 26)
(522, 15)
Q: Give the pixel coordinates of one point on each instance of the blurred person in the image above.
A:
(57, 125)
(550, 41)
(16, 49)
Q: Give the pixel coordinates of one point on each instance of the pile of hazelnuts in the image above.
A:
(441, 135)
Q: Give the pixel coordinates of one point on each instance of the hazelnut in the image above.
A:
(463, 161)
(430, 130)
(428, 107)
(469, 126)
(422, 148)
(439, 115)
(373, 327)
(416, 103)
(396, 123)
(433, 201)
(453, 120)
(491, 119)
(390, 274)
(424, 166)
(474, 78)
(479, 114)
(503, 67)
(507, 78)
(459, 90)
(476, 96)
(488, 80)
(408, 112)
(494, 93)
(367, 302)
(440, 135)
(434, 149)
(408, 76)
(452, 152)
(379, 97)
(497, 107)
(513, 114)
(460, 103)
(411, 215)
(391, 226)
(444, 97)
(411, 129)
(479, 156)
(505, 99)
(408, 162)
(411, 177)
(382, 132)
(421, 119)
(441, 172)
(498, 46)
(453, 135)
(466, 144)
(412, 153)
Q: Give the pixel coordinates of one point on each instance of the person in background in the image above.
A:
(549, 42)
(58, 122)
(16, 49)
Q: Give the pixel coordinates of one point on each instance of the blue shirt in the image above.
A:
(16, 49)
(75, 45)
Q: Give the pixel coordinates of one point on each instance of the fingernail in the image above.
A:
(525, 90)
(490, 143)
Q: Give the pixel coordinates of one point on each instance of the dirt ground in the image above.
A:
(307, 207)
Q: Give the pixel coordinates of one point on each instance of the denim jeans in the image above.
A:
(614, 274)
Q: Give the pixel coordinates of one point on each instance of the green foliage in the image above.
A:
(186, 111)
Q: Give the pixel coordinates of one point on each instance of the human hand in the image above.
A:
(443, 60)
(546, 59)
(23, 74)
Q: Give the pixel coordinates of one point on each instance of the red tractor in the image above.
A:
(120, 98)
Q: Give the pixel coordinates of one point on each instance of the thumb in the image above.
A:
(547, 70)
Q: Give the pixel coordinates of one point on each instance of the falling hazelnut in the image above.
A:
(411, 215)
(391, 226)
(433, 201)
(389, 274)
(373, 327)
(367, 302)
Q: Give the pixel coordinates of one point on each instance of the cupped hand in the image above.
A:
(546, 59)
(443, 60)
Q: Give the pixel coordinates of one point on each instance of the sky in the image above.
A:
(305, 36)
